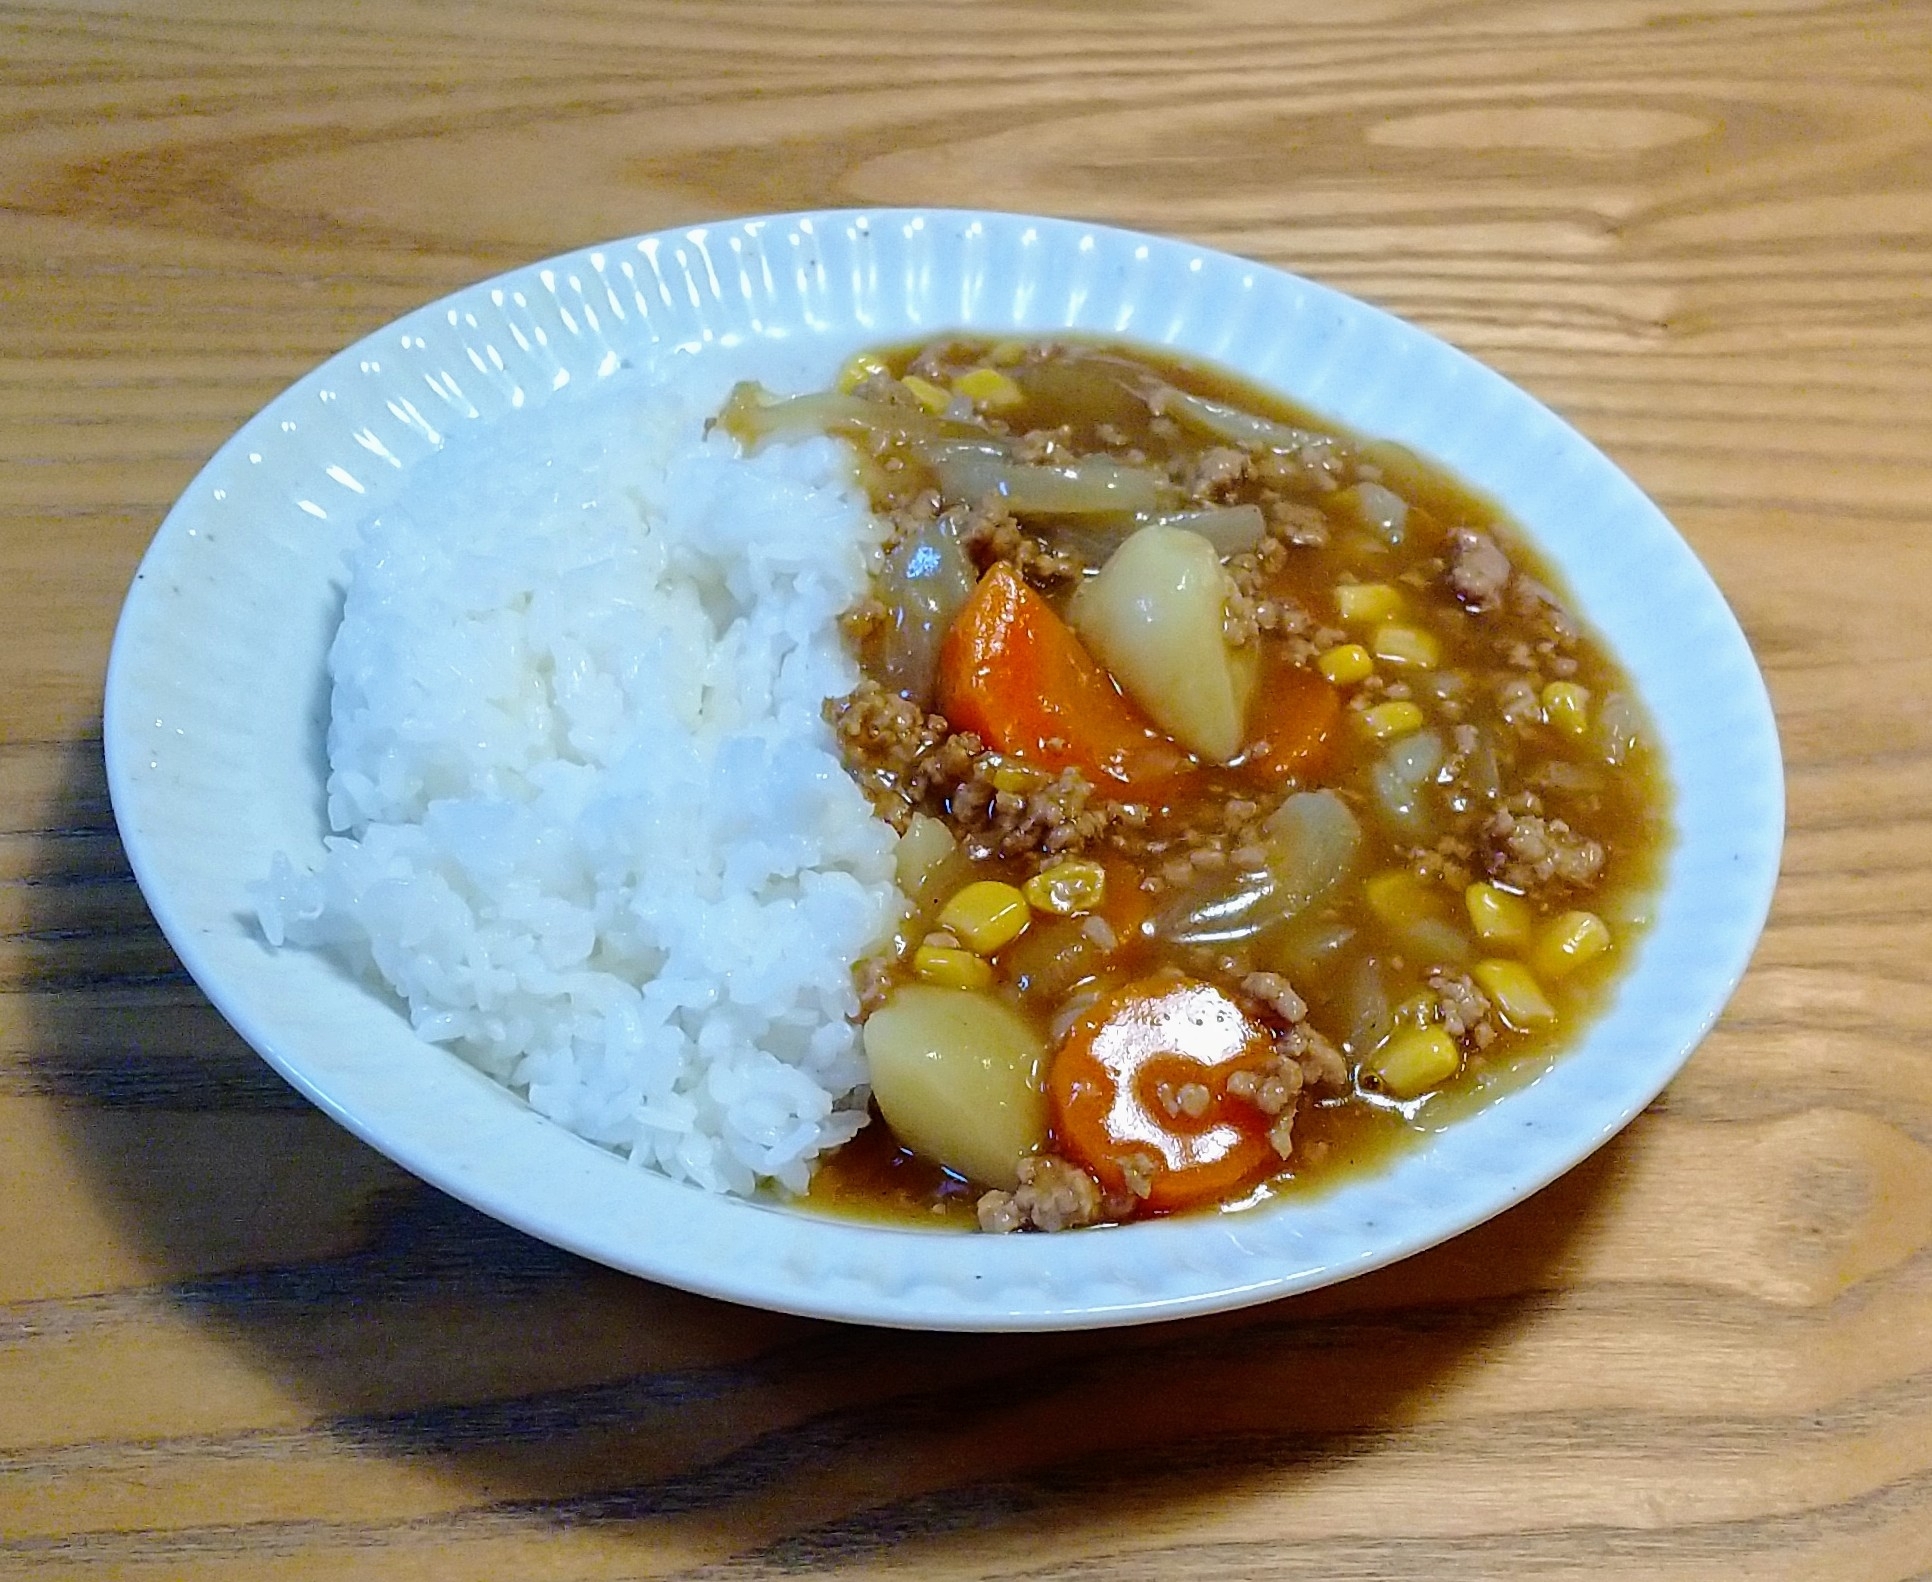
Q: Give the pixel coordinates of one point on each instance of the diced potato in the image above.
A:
(1153, 616)
(925, 845)
(1071, 886)
(1416, 1059)
(1406, 647)
(1387, 720)
(986, 915)
(1498, 917)
(1570, 941)
(958, 1077)
(1512, 988)
(1367, 601)
(948, 967)
(1346, 663)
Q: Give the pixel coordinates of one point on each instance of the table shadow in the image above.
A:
(537, 1389)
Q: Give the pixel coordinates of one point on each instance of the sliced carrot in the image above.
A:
(1139, 1093)
(1291, 723)
(1012, 672)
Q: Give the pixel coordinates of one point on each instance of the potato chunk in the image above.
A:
(959, 1078)
(1154, 616)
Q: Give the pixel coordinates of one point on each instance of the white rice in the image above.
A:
(591, 823)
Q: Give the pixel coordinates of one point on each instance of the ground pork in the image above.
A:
(1052, 1195)
(988, 532)
(1292, 522)
(1212, 475)
(1463, 1009)
(1478, 570)
(907, 760)
(1527, 851)
(1055, 817)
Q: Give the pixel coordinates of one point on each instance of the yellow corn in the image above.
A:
(1018, 778)
(1071, 886)
(986, 915)
(859, 369)
(1399, 898)
(1566, 706)
(1498, 917)
(1345, 664)
(1570, 941)
(952, 969)
(1367, 601)
(1386, 720)
(989, 388)
(1408, 647)
(929, 395)
(1515, 993)
(1416, 1059)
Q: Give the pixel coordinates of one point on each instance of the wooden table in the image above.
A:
(234, 1343)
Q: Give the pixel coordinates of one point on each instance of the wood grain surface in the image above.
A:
(236, 1344)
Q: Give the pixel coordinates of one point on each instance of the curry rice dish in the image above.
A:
(1029, 785)
(1261, 804)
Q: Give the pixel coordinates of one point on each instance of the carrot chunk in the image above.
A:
(1013, 673)
(1139, 1093)
(1291, 723)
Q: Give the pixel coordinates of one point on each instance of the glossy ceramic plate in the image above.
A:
(217, 697)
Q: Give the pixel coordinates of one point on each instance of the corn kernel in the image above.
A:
(1069, 887)
(1408, 647)
(1345, 664)
(1498, 917)
(859, 369)
(989, 388)
(929, 395)
(1019, 778)
(1515, 993)
(952, 969)
(1399, 898)
(1416, 1059)
(1570, 941)
(1367, 601)
(986, 915)
(1387, 720)
(1567, 707)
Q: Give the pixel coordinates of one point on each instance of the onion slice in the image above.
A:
(1094, 484)
(1232, 424)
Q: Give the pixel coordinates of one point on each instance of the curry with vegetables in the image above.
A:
(1260, 801)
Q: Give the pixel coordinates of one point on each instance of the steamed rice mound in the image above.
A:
(590, 821)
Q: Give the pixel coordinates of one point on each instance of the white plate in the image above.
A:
(216, 702)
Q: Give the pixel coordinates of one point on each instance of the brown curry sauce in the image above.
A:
(1620, 807)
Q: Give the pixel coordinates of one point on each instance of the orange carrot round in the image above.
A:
(1139, 1093)
(1013, 673)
